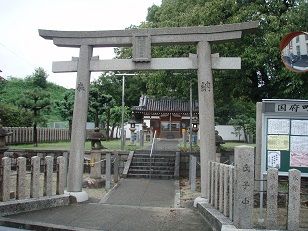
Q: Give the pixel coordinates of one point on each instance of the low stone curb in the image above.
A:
(13, 223)
(218, 221)
(108, 194)
(27, 205)
(177, 195)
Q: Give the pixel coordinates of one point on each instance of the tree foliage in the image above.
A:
(11, 116)
(65, 107)
(98, 102)
(262, 75)
(36, 100)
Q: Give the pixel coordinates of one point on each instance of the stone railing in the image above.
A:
(232, 191)
(24, 135)
(221, 194)
(32, 180)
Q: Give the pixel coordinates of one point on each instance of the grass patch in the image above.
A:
(229, 146)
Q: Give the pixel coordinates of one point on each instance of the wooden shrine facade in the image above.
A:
(168, 117)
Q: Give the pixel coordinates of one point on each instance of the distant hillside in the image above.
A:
(12, 90)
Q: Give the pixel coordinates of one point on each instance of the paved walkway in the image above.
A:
(135, 204)
(143, 192)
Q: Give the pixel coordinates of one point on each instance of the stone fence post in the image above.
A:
(116, 167)
(35, 177)
(108, 171)
(243, 187)
(5, 181)
(48, 176)
(21, 178)
(294, 199)
(61, 175)
(272, 195)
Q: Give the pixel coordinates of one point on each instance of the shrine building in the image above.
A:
(168, 117)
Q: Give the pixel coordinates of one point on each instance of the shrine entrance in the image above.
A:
(141, 41)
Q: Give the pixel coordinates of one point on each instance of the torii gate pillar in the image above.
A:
(78, 136)
(206, 113)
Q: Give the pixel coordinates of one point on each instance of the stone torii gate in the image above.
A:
(141, 41)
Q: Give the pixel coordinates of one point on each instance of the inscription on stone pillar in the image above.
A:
(141, 48)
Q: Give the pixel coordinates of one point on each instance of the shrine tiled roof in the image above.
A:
(157, 106)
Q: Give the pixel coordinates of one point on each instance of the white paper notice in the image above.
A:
(299, 151)
(278, 126)
(273, 159)
(299, 127)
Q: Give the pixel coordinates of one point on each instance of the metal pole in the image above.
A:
(191, 115)
(190, 133)
(122, 122)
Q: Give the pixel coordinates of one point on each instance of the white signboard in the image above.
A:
(299, 127)
(273, 159)
(299, 151)
(278, 126)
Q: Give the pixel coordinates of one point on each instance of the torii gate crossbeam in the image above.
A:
(141, 41)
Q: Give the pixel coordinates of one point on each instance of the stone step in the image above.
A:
(170, 168)
(162, 177)
(154, 155)
(153, 159)
(153, 171)
(153, 164)
(138, 152)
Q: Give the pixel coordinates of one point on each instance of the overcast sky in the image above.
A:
(22, 49)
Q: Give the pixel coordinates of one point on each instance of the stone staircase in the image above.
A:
(160, 166)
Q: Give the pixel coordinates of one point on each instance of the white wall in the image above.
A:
(227, 133)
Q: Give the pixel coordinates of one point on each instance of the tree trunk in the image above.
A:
(35, 134)
(96, 119)
(112, 130)
(35, 128)
(117, 131)
(245, 135)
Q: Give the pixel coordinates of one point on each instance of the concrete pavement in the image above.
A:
(142, 192)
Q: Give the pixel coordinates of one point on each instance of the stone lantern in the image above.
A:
(132, 129)
(96, 137)
(3, 134)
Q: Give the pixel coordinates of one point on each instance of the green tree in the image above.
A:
(262, 75)
(116, 117)
(244, 118)
(66, 107)
(98, 102)
(11, 116)
(36, 100)
(39, 78)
